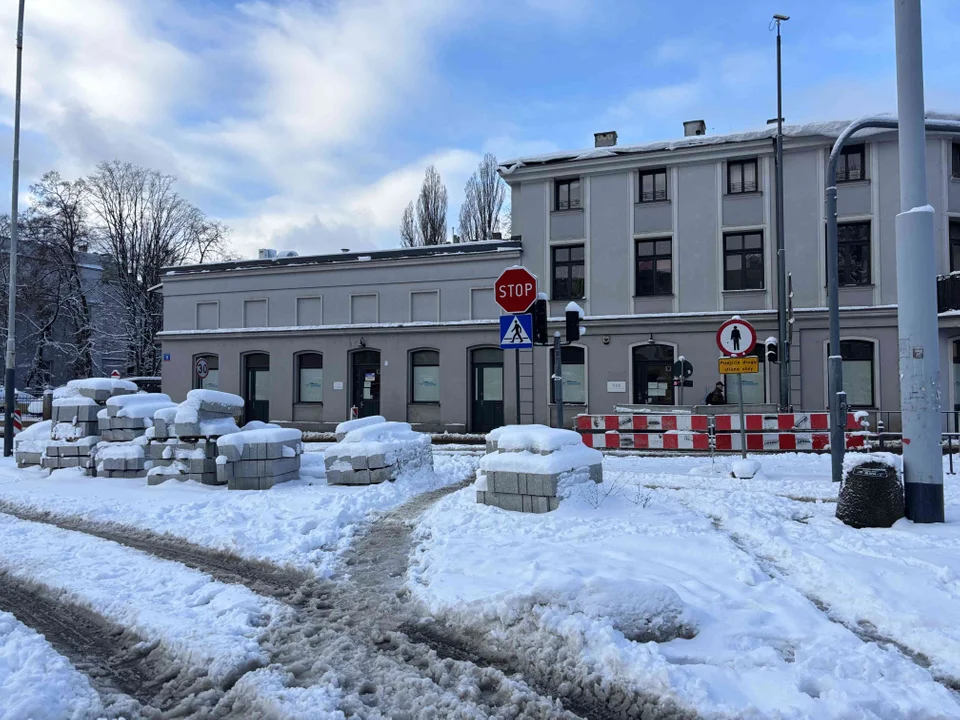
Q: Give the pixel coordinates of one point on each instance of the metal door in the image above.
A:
(487, 389)
(366, 382)
(257, 387)
(653, 375)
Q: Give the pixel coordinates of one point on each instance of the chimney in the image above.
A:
(605, 139)
(694, 127)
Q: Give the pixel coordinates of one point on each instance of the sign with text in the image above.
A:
(734, 366)
(515, 289)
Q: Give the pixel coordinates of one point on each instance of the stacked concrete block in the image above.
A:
(69, 453)
(345, 427)
(29, 445)
(259, 459)
(121, 460)
(376, 451)
(198, 460)
(206, 414)
(529, 468)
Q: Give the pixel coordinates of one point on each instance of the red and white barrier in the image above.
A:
(773, 432)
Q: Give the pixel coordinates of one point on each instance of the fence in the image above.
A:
(764, 432)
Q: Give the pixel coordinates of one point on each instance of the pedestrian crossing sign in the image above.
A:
(516, 331)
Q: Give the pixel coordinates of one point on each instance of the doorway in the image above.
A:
(365, 383)
(487, 389)
(256, 387)
(653, 374)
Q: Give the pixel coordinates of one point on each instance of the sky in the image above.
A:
(307, 124)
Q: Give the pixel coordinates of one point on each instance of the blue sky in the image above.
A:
(307, 124)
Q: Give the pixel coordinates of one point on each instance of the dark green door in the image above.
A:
(256, 387)
(365, 386)
(487, 389)
(653, 375)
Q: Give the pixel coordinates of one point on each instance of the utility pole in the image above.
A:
(10, 384)
(781, 249)
(919, 345)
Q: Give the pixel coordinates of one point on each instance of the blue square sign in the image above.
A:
(516, 331)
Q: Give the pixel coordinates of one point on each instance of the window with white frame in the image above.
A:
(859, 371)
(309, 378)
(425, 376)
(573, 362)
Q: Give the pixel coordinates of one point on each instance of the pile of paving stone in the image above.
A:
(258, 459)
(529, 468)
(370, 451)
(75, 428)
(124, 426)
(29, 445)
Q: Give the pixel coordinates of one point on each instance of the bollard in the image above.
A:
(48, 404)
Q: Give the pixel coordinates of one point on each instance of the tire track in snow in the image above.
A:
(365, 631)
(133, 678)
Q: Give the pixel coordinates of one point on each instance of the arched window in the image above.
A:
(425, 376)
(206, 374)
(309, 378)
(573, 360)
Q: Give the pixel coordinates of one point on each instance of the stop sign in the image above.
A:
(516, 289)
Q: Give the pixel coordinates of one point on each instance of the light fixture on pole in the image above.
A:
(785, 402)
(10, 383)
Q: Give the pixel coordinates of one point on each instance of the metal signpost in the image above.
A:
(515, 291)
(682, 372)
(736, 339)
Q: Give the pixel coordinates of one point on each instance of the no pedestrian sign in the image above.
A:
(736, 338)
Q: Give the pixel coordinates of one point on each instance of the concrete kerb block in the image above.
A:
(243, 483)
(358, 462)
(505, 482)
(376, 462)
(382, 474)
(334, 477)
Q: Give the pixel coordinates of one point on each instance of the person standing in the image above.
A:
(717, 397)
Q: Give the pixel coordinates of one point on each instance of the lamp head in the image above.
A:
(781, 18)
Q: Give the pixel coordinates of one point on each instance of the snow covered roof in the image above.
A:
(826, 129)
(452, 250)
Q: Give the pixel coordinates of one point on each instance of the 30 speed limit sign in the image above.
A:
(202, 368)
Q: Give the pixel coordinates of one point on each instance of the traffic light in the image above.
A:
(539, 313)
(773, 350)
(573, 315)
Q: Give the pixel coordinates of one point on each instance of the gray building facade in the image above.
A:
(659, 243)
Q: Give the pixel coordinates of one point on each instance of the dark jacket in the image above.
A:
(716, 398)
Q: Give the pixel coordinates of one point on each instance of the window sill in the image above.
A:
(754, 194)
(571, 211)
(654, 296)
(755, 291)
(568, 404)
(568, 299)
(848, 183)
(652, 203)
(865, 286)
(423, 403)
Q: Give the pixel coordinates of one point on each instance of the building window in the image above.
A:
(425, 376)
(310, 378)
(852, 165)
(743, 261)
(574, 373)
(211, 380)
(853, 243)
(568, 272)
(742, 176)
(653, 185)
(754, 384)
(654, 267)
(567, 194)
(956, 160)
(858, 371)
(954, 245)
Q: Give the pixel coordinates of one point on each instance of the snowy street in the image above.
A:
(671, 590)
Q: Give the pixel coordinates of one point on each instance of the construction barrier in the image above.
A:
(773, 433)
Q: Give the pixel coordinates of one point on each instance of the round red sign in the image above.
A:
(736, 338)
(516, 289)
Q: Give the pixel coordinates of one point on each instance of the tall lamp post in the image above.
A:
(10, 384)
(781, 250)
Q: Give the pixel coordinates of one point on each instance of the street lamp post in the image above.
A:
(10, 383)
(781, 250)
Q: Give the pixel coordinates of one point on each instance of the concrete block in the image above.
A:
(333, 477)
(330, 460)
(243, 483)
(377, 461)
(596, 472)
(281, 466)
(542, 485)
(185, 430)
(230, 452)
(506, 482)
(522, 483)
(361, 477)
(358, 462)
(99, 396)
(481, 497)
(539, 504)
(507, 501)
(273, 450)
(224, 473)
(286, 477)
(383, 474)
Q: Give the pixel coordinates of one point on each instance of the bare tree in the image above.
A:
(409, 236)
(432, 208)
(480, 214)
(144, 225)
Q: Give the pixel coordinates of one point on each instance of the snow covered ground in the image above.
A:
(303, 523)
(796, 615)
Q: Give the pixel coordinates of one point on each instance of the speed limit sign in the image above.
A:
(202, 369)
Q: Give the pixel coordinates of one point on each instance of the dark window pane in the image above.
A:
(646, 186)
(734, 176)
(663, 247)
(754, 272)
(577, 271)
(311, 360)
(660, 186)
(426, 357)
(954, 256)
(752, 241)
(733, 242)
(750, 177)
(562, 254)
(645, 248)
(576, 253)
(575, 194)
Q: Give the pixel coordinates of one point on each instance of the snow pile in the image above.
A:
(258, 425)
(373, 452)
(349, 425)
(29, 445)
(141, 405)
(100, 389)
(744, 469)
(37, 682)
(535, 438)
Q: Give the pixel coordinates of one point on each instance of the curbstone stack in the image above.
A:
(259, 459)
(529, 468)
(30, 445)
(371, 451)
